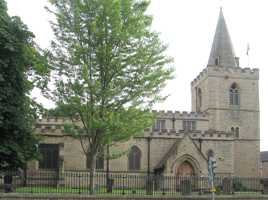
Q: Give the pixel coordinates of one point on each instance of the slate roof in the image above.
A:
(264, 156)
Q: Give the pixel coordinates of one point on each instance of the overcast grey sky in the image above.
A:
(188, 27)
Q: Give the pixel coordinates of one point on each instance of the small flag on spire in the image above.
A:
(248, 49)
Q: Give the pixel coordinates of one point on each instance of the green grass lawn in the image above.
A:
(98, 191)
(117, 192)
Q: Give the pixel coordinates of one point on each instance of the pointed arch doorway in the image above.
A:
(185, 169)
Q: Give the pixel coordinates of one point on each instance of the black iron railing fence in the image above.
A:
(78, 182)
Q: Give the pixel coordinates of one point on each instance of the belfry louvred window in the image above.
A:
(199, 100)
(234, 95)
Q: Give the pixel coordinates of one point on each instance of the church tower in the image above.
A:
(230, 96)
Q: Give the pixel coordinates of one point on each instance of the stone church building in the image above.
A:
(224, 121)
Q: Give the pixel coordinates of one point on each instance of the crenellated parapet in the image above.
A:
(220, 135)
(234, 71)
(180, 115)
(202, 75)
(51, 120)
(213, 70)
(50, 125)
(196, 134)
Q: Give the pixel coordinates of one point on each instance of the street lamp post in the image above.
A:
(108, 169)
(148, 154)
(148, 164)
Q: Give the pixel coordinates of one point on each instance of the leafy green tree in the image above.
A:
(22, 67)
(110, 68)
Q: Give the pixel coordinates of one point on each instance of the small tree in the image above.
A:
(21, 68)
(109, 70)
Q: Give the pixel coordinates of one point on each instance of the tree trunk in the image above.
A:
(92, 161)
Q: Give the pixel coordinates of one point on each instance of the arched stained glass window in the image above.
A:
(134, 158)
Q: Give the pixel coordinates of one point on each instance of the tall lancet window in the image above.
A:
(134, 158)
(234, 95)
(199, 99)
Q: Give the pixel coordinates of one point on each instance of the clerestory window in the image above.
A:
(160, 125)
(189, 125)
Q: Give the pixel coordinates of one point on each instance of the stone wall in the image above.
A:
(158, 147)
(246, 158)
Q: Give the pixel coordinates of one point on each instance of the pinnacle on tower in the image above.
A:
(222, 52)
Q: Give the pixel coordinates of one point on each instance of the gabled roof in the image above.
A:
(173, 148)
(168, 154)
(264, 156)
(222, 52)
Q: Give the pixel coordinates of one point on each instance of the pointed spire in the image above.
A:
(222, 52)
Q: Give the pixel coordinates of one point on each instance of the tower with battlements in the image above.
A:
(230, 96)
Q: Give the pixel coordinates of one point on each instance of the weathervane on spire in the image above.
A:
(221, 5)
(248, 48)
